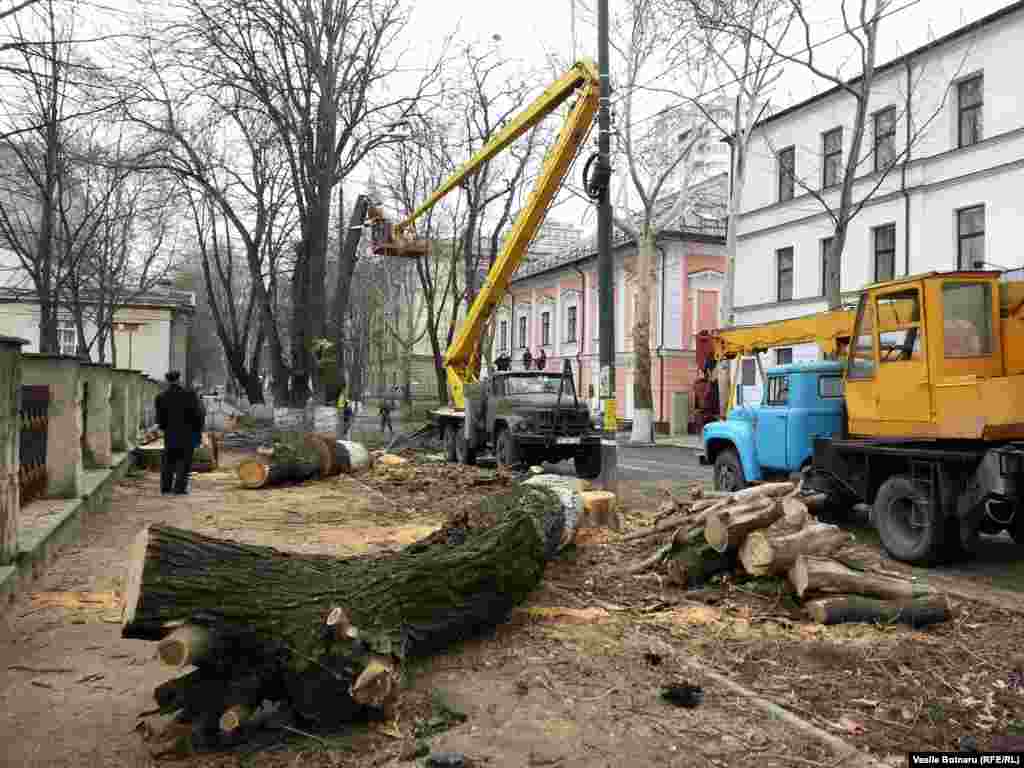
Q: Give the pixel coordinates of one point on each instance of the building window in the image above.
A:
(970, 235)
(826, 246)
(522, 333)
(748, 372)
(970, 102)
(784, 273)
(885, 138)
(784, 356)
(503, 336)
(570, 325)
(885, 252)
(67, 338)
(787, 169)
(778, 390)
(832, 157)
(545, 328)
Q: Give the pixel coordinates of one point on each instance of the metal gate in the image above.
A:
(35, 407)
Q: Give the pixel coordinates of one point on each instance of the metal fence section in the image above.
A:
(35, 410)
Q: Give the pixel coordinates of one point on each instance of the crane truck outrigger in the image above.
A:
(920, 415)
(531, 416)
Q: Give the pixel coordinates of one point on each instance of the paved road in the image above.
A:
(653, 463)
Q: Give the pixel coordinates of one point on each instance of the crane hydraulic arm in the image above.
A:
(462, 358)
(829, 330)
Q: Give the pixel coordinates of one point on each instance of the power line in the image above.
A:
(782, 60)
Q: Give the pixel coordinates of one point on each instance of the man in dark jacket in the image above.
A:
(181, 417)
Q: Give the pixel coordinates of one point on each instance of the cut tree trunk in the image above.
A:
(816, 503)
(853, 608)
(819, 574)
(726, 529)
(691, 566)
(327, 449)
(766, 552)
(261, 473)
(283, 610)
(775, 490)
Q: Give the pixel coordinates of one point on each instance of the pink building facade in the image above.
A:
(553, 305)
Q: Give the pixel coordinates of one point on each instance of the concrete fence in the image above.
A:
(88, 413)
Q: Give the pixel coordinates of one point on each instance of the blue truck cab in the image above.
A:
(800, 401)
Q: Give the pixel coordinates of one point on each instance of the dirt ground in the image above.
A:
(572, 680)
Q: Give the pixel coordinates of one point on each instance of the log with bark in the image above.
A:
(768, 552)
(261, 472)
(820, 574)
(322, 635)
(691, 562)
(917, 612)
(726, 529)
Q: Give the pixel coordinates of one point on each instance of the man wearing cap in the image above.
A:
(181, 417)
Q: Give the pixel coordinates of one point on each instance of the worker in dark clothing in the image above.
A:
(386, 407)
(181, 417)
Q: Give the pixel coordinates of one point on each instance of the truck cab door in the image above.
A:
(771, 432)
(902, 391)
(861, 365)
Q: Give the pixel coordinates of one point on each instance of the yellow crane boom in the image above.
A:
(462, 357)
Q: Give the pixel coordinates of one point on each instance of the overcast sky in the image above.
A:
(531, 29)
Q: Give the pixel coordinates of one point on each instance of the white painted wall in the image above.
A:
(941, 178)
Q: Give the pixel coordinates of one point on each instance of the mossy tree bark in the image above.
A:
(277, 605)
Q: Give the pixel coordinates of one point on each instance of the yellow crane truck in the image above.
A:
(920, 414)
(523, 416)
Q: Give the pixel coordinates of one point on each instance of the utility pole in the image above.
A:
(605, 267)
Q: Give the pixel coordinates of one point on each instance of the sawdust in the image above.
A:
(563, 615)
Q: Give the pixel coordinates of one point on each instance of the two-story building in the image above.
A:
(941, 182)
(553, 306)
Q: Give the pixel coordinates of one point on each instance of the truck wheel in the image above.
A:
(588, 465)
(729, 471)
(506, 449)
(464, 453)
(911, 529)
(450, 437)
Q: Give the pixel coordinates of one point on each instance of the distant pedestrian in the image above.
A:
(542, 360)
(181, 417)
(385, 415)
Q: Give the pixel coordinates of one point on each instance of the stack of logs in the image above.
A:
(296, 458)
(772, 529)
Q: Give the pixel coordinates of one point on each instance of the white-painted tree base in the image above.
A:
(643, 426)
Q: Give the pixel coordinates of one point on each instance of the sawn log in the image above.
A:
(853, 608)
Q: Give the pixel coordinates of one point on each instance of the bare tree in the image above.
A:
(412, 170)
(658, 156)
(491, 94)
(323, 77)
(35, 145)
(740, 39)
(217, 142)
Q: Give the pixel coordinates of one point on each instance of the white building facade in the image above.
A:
(954, 200)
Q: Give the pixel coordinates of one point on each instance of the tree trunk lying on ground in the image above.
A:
(849, 608)
(264, 472)
(323, 635)
(820, 574)
(726, 529)
(764, 553)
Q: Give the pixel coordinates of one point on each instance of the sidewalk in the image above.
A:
(691, 442)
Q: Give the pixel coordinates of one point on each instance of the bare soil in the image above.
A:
(572, 679)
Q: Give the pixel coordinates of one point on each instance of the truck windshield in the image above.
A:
(538, 385)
